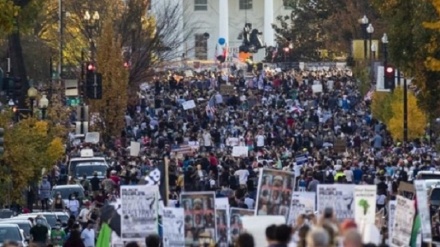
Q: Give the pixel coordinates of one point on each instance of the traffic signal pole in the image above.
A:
(405, 110)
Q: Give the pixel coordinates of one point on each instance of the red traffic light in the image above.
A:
(390, 70)
(91, 67)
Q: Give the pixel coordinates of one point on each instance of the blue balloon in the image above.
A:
(221, 41)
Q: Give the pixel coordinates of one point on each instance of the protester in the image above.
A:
(88, 235)
(39, 233)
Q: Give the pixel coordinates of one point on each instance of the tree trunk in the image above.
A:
(18, 69)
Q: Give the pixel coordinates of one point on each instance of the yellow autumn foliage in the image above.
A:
(8, 11)
(30, 147)
(416, 117)
(381, 106)
(431, 62)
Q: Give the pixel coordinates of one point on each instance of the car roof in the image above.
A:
(429, 172)
(67, 186)
(15, 220)
(88, 158)
(8, 225)
(96, 164)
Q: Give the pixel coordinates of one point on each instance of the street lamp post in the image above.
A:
(364, 23)
(44, 103)
(385, 48)
(370, 30)
(32, 94)
(92, 25)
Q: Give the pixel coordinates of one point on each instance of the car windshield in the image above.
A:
(9, 233)
(51, 219)
(75, 163)
(429, 176)
(67, 191)
(63, 217)
(26, 227)
(89, 170)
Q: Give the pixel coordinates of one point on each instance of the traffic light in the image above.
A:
(389, 78)
(18, 86)
(94, 85)
(2, 140)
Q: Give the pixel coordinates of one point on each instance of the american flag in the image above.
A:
(210, 107)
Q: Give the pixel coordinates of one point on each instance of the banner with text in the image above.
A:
(403, 222)
(303, 203)
(139, 217)
(423, 209)
(172, 224)
(339, 197)
(365, 205)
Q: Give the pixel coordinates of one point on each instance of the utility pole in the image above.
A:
(405, 111)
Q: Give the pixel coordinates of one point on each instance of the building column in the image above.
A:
(268, 33)
(223, 29)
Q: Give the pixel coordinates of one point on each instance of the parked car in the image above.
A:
(12, 232)
(24, 225)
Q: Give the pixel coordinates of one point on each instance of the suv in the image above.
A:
(86, 157)
(66, 190)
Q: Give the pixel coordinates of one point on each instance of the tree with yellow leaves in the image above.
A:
(111, 108)
(381, 106)
(416, 117)
(30, 148)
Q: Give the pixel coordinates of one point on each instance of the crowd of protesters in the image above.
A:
(279, 116)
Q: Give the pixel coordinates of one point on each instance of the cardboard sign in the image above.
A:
(227, 89)
(340, 146)
(135, 147)
(406, 190)
(92, 137)
(239, 151)
(187, 105)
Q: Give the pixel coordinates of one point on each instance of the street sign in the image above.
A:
(73, 101)
(71, 87)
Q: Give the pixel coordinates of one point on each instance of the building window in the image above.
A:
(287, 4)
(245, 4)
(201, 47)
(200, 5)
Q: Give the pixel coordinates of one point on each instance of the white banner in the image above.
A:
(173, 227)
(403, 222)
(187, 105)
(339, 197)
(365, 205)
(139, 206)
(302, 203)
(422, 207)
(240, 151)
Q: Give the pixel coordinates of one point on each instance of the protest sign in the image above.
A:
(339, 197)
(222, 223)
(236, 225)
(274, 194)
(365, 205)
(199, 216)
(403, 222)
(139, 212)
(135, 147)
(172, 225)
(303, 203)
(422, 207)
(391, 213)
(240, 151)
(189, 104)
